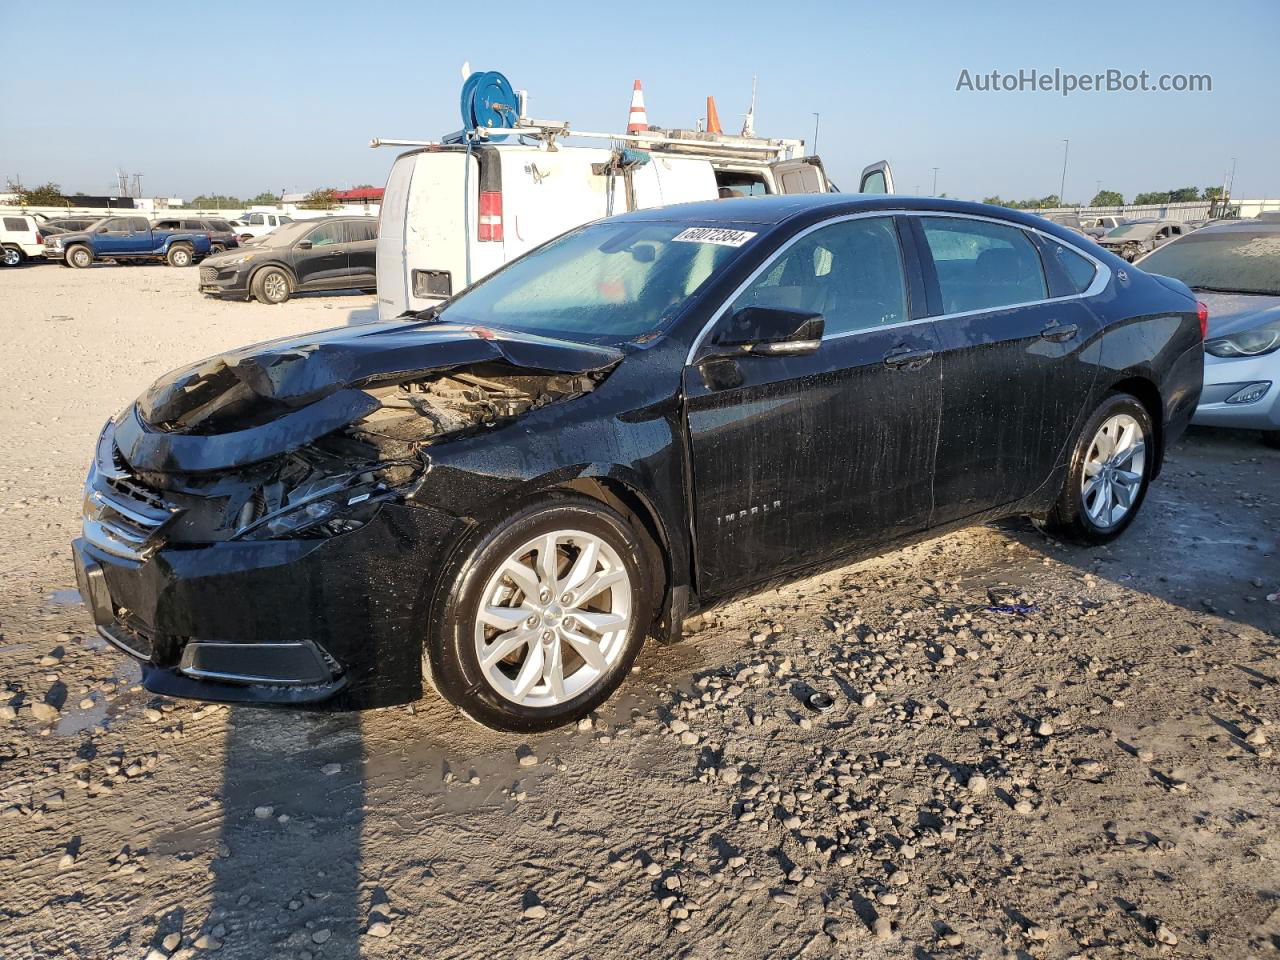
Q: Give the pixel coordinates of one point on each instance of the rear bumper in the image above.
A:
(1226, 376)
(336, 621)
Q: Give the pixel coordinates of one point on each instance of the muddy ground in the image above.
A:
(1094, 777)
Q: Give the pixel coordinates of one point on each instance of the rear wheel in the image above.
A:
(12, 256)
(179, 255)
(80, 257)
(271, 286)
(1109, 473)
(544, 616)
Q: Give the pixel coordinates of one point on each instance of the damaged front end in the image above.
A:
(287, 446)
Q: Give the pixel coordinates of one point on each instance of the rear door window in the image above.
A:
(358, 231)
(15, 224)
(982, 265)
(138, 225)
(1078, 268)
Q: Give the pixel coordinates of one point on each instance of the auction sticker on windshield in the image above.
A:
(716, 235)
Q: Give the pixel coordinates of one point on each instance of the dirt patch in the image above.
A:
(1033, 750)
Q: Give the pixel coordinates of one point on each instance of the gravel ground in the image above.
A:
(1095, 778)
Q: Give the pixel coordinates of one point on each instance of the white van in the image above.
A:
(20, 238)
(452, 215)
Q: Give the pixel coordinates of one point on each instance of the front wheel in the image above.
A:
(271, 286)
(217, 248)
(80, 257)
(11, 257)
(1109, 473)
(543, 618)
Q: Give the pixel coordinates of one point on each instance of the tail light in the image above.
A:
(490, 219)
(1202, 314)
(39, 239)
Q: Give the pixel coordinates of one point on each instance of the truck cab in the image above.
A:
(452, 214)
(257, 223)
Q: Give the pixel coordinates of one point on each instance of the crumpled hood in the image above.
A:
(1232, 312)
(260, 401)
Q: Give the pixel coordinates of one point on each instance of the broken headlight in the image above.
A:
(330, 515)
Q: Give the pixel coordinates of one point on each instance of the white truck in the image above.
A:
(256, 223)
(454, 212)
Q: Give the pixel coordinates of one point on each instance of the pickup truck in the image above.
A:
(126, 239)
(256, 224)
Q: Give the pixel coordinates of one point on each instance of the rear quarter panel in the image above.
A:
(1152, 333)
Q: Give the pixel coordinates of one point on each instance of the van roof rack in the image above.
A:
(684, 142)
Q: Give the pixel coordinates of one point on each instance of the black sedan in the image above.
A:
(330, 253)
(641, 418)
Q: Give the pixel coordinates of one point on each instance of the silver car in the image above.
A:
(1132, 240)
(1234, 268)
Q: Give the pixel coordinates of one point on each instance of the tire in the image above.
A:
(217, 248)
(271, 286)
(1271, 438)
(1100, 514)
(12, 257)
(179, 255)
(80, 257)
(522, 691)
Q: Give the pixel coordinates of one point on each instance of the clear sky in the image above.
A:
(240, 97)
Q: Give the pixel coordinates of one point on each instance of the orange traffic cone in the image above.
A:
(639, 122)
(713, 118)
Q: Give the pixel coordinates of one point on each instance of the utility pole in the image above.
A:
(815, 134)
(935, 182)
(1062, 200)
(137, 184)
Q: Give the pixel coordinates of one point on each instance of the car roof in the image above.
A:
(779, 208)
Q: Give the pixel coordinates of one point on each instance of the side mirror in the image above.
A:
(772, 331)
(103, 230)
(304, 244)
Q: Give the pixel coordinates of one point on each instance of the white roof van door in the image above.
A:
(877, 178)
(393, 281)
(803, 175)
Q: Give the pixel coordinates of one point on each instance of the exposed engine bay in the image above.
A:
(334, 483)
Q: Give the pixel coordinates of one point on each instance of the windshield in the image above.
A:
(1235, 261)
(284, 235)
(606, 282)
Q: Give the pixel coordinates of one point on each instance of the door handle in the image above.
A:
(904, 358)
(1059, 334)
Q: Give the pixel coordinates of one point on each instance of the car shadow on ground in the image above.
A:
(1184, 547)
(287, 876)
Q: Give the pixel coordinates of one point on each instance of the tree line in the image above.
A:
(50, 195)
(1113, 198)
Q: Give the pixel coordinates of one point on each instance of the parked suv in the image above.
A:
(20, 238)
(222, 236)
(336, 253)
(127, 239)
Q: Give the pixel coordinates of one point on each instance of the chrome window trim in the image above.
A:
(1101, 278)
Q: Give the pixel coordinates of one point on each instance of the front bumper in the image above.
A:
(338, 621)
(1224, 376)
(225, 281)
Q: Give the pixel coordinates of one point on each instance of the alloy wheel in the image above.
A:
(275, 286)
(553, 619)
(1114, 470)
(11, 257)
